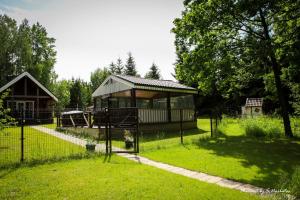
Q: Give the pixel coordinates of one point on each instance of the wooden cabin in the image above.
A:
(28, 95)
(162, 103)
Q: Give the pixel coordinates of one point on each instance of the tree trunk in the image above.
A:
(277, 72)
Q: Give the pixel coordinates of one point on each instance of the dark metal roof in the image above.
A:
(254, 102)
(155, 83)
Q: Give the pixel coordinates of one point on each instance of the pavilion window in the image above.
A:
(182, 102)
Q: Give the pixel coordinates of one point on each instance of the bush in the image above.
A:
(263, 127)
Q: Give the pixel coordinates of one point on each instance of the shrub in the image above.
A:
(263, 127)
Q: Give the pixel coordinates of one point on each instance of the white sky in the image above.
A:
(91, 33)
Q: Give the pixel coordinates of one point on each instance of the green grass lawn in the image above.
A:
(37, 146)
(106, 178)
(51, 126)
(232, 155)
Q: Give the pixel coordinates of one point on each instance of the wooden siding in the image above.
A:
(161, 115)
(153, 115)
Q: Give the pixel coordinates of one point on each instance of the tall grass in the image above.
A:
(263, 127)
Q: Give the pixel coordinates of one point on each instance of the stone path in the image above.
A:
(170, 168)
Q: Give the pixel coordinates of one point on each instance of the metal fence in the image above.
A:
(32, 143)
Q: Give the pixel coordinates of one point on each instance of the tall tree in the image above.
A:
(75, 95)
(153, 72)
(98, 76)
(62, 92)
(130, 68)
(112, 68)
(217, 41)
(26, 48)
(8, 35)
(119, 66)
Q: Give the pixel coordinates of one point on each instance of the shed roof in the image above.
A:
(142, 83)
(254, 102)
(12, 82)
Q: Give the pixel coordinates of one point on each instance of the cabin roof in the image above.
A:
(130, 82)
(15, 80)
(250, 102)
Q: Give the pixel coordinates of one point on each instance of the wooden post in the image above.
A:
(151, 103)
(90, 119)
(95, 103)
(169, 107)
(133, 98)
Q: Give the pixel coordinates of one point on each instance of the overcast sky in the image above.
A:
(92, 33)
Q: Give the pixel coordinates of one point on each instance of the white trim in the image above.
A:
(30, 77)
(145, 87)
(113, 77)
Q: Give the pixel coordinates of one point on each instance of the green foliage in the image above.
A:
(130, 68)
(80, 94)
(112, 68)
(98, 76)
(5, 118)
(263, 127)
(26, 48)
(119, 66)
(62, 92)
(230, 48)
(289, 184)
(153, 73)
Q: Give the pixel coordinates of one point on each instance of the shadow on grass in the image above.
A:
(271, 156)
(35, 162)
(168, 135)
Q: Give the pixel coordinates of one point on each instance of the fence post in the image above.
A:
(211, 125)
(100, 121)
(181, 131)
(137, 130)
(22, 135)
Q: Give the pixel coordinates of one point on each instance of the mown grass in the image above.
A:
(51, 126)
(258, 161)
(106, 178)
(37, 146)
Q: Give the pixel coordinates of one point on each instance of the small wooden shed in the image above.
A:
(160, 103)
(252, 107)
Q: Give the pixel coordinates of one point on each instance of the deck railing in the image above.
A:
(161, 115)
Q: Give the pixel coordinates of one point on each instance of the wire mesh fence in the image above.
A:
(35, 143)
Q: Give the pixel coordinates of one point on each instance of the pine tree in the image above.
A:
(112, 68)
(153, 73)
(130, 66)
(119, 66)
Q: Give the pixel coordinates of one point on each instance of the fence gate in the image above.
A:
(120, 127)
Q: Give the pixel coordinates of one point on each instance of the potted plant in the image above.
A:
(128, 138)
(90, 145)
